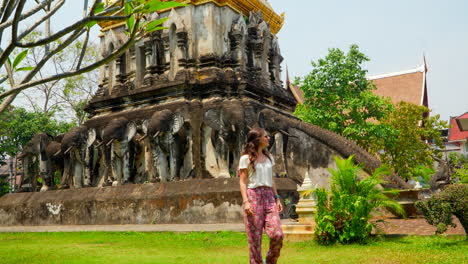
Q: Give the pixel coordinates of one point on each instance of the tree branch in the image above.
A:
(42, 19)
(68, 29)
(16, 20)
(12, 93)
(27, 14)
(131, 41)
(83, 50)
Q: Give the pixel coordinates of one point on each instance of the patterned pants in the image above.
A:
(265, 215)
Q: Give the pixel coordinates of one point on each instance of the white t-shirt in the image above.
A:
(263, 175)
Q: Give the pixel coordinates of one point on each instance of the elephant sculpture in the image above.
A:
(116, 144)
(76, 149)
(279, 123)
(224, 132)
(36, 162)
(169, 136)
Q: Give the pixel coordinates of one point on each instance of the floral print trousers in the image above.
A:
(265, 216)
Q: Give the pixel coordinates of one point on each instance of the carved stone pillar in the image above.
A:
(256, 49)
(103, 84)
(236, 47)
(130, 77)
(181, 52)
(167, 53)
(120, 73)
(275, 67)
(150, 62)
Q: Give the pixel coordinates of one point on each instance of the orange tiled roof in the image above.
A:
(409, 86)
(454, 132)
(297, 93)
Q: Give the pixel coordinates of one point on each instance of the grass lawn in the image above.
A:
(221, 247)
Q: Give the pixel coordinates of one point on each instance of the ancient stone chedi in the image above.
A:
(178, 104)
(174, 110)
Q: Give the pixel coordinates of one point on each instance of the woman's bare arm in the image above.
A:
(243, 189)
(278, 200)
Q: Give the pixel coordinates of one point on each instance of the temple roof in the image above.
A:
(455, 132)
(297, 93)
(409, 86)
(275, 20)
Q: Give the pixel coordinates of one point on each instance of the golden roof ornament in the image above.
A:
(275, 20)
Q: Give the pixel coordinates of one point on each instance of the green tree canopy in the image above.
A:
(338, 97)
(410, 148)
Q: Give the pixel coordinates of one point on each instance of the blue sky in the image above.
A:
(393, 34)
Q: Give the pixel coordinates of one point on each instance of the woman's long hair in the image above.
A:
(251, 147)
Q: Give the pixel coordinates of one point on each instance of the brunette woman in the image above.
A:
(261, 201)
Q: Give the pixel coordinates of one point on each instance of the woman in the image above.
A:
(261, 201)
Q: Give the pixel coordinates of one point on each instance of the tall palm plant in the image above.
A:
(345, 215)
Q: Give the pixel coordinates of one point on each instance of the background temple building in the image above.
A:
(408, 86)
(457, 138)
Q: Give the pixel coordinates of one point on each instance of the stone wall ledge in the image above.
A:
(182, 202)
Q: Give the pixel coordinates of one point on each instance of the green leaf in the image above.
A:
(28, 68)
(128, 9)
(131, 22)
(156, 23)
(156, 5)
(99, 8)
(90, 24)
(20, 57)
(155, 29)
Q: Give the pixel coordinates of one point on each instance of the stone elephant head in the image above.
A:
(35, 151)
(229, 118)
(165, 121)
(272, 121)
(223, 133)
(120, 129)
(78, 137)
(169, 135)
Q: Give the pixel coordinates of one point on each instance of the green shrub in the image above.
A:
(459, 164)
(440, 208)
(344, 216)
(4, 187)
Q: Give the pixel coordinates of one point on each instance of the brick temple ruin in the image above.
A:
(168, 123)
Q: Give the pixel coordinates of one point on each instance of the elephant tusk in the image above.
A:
(143, 137)
(157, 134)
(286, 133)
(68, 150)
(57, 153)
(110, 142)
(100, 144)
(249, 127)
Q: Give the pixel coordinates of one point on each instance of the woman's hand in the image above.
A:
(279, 205)
(248, 208)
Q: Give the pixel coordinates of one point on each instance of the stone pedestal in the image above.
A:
(303, 230)
(306, 209)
